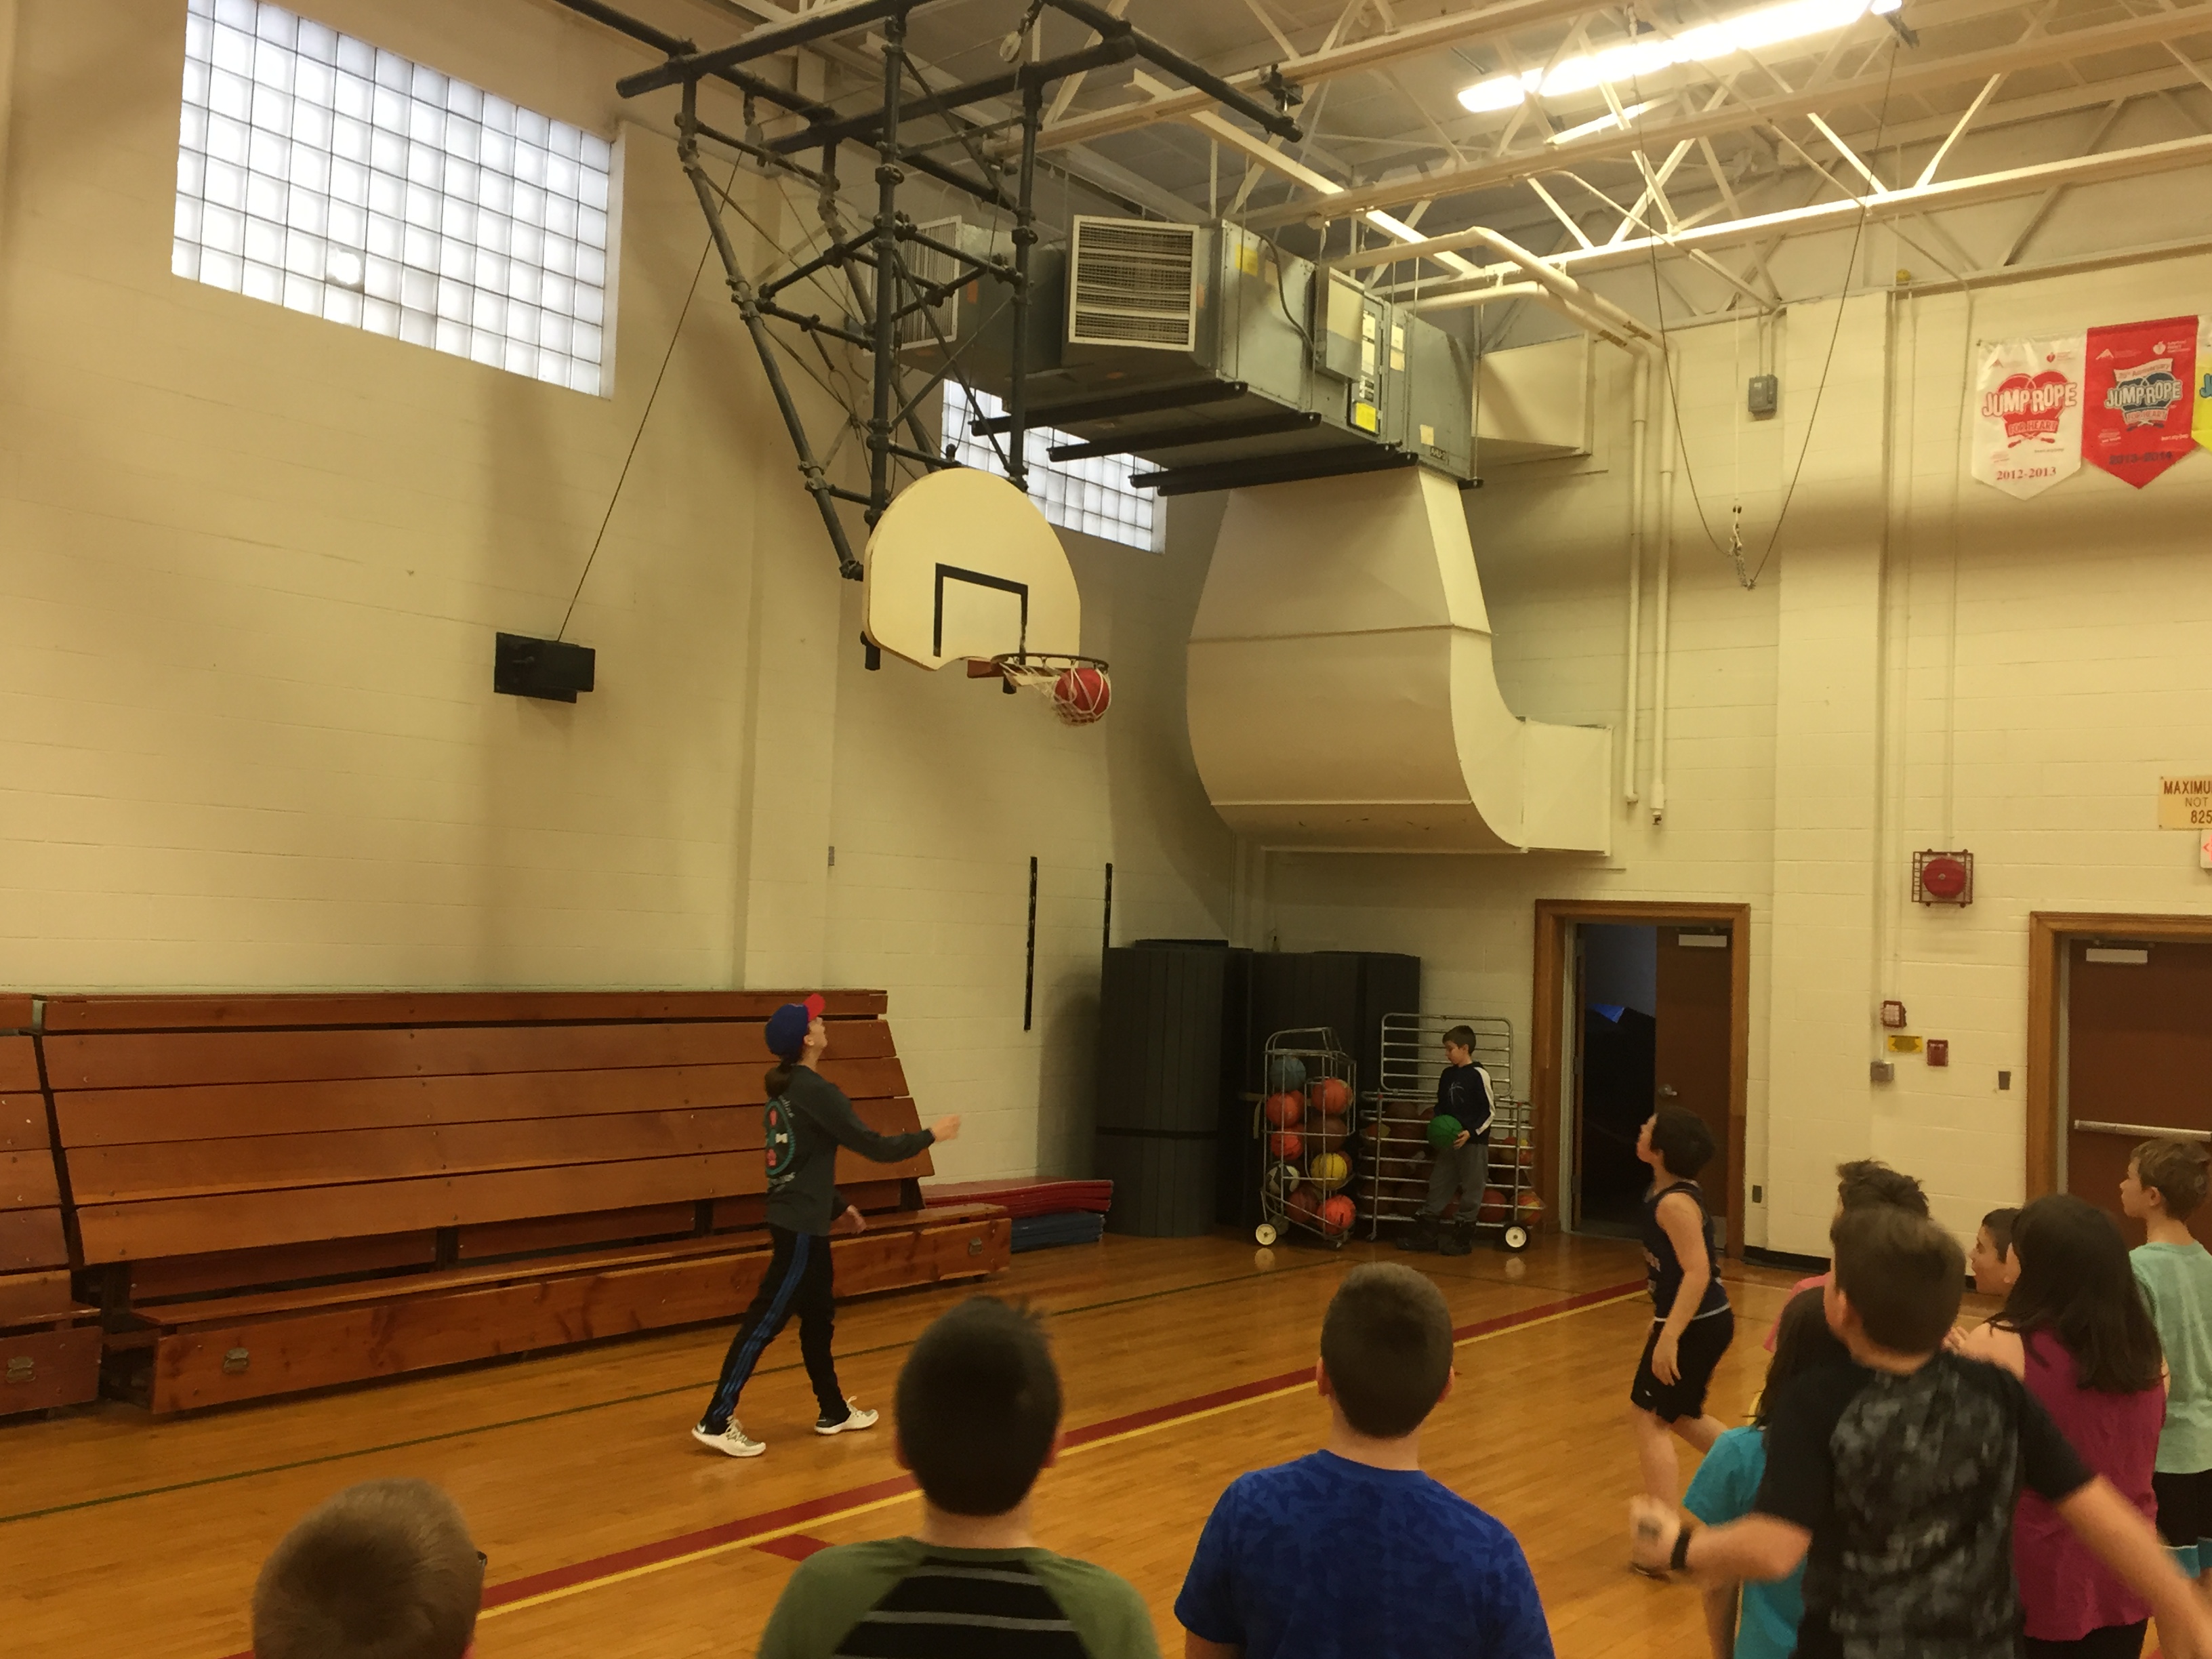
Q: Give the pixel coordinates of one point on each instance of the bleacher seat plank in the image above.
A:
(19, 1066)
(57, 1368)
(182, 1226)
(31, 1239)
(133, 1013)
(162, 1059)
(14, 1011)
(28, 1180)
(493, 1239)
(114, 1174)
(325, 1258)
(287, 1354)
(36, 1299)
(22, 1123)
(103, 1117)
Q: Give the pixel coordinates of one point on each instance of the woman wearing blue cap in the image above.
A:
(809, 1118)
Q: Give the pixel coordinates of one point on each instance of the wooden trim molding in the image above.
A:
(1547, 1025)
(2047, 933)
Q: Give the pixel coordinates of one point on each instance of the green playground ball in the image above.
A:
(1444, 1129)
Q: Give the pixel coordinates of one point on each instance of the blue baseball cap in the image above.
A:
(787, 1026)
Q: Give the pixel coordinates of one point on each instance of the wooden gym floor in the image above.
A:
(1183, 1362)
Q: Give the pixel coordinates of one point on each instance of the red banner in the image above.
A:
(2136, 404)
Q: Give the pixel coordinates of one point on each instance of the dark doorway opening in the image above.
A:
(1617, 966)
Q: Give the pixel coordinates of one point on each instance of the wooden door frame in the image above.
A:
(1547, 1025)
(2048, 931)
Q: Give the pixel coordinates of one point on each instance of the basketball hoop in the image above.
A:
(1078, 686)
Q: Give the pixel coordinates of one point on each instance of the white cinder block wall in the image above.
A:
(1924, 662)
(252, 562)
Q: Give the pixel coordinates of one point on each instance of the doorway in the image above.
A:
(2137, 1043)
(1638, 1005)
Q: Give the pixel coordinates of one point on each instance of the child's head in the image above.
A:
(1992, 1260)
(978, 1408)
(2166, 1175)
(383, 1571)
(1801, 1342)
(1866, 1181)
(1897, 1283)
(1386, 1349)
(1676, 1138)
(1459, 1046)
(2075, 1282)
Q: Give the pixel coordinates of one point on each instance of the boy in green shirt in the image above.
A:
(978, 1408)
(2165, 1183)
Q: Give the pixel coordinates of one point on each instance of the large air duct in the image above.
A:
(1341, 692)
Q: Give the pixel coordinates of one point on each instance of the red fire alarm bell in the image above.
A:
(1943, 878)
(1939, 1051)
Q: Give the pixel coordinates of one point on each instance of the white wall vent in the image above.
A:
(1133, 283)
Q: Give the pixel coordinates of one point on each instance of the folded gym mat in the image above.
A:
(1043, 1232)
(1022, 1198)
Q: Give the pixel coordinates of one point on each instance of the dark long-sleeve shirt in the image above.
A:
(1463, 1092)
(806, 1124)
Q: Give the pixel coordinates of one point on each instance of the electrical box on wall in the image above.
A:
(1764, 395)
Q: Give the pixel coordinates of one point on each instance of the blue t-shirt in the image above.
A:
(1326, 1559)
(1725, 1488)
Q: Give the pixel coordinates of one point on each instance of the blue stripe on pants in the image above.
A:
(762, 1333)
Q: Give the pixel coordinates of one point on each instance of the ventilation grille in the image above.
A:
(927, 267)
(1131, 284)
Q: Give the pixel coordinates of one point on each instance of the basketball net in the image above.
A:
(1078, 686)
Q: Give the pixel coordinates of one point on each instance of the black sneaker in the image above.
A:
(1460, 1240)
(1421, 1236)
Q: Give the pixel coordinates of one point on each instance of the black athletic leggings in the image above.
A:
(2113, 1642)
(798, 1281)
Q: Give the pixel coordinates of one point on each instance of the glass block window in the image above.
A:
(1093, 496)
(325, 175)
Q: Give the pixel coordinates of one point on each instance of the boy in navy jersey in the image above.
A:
(1691, 1324)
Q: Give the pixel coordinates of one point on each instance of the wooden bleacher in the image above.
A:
(48, 1344)
(279, 1193)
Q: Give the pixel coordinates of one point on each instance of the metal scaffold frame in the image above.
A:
(891, 293)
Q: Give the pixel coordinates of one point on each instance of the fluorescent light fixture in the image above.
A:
(1647, 55)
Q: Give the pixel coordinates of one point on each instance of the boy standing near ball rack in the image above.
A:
(1463, 1164)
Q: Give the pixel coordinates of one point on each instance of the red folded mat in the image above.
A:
(1024, 1197)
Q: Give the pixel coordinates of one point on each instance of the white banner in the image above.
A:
(2027, 417)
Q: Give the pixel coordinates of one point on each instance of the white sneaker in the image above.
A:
(857, 1418)
(732, 1441)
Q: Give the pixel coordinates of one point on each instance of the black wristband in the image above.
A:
(1680, 1561)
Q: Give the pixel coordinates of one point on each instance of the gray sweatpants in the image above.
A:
(1465, 1170)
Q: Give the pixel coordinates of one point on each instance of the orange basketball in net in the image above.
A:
(1080, 695)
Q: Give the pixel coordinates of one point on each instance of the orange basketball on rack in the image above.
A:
(1080, 695)
(1531, 1208)
(1287, 1145)
(1334, 1096)
(1337, 1215)
(1494, 1207)
(1305, 1205)
(1283, 1110)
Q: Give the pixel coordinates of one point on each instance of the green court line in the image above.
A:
(599, 1405)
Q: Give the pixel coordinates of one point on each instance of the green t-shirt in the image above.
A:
(901, 1596)
(2177, 1283)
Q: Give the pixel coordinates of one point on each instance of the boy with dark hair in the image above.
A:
(1351, 1549)
(383, 1571)
(2165, 1184)
(1893, 1479)
(1691, 1324)
(1463, 1167)
(978, 1406)
(1864, 1183)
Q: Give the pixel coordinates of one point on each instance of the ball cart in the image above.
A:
(1396, 1134)
(1307, 1121)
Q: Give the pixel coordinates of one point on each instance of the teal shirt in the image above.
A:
(1726, 1486)
(2177, 1283)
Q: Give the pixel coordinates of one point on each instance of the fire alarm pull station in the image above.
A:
(1939, 1051)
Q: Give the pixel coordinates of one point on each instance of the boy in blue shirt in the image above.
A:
(1726, 1488)
(1463, 1167)
(1351, 1549)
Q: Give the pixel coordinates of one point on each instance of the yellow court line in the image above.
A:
(754, 1540)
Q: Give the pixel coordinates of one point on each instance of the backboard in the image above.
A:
(962, 567)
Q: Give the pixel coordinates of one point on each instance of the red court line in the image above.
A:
(647, 1555)
(793, 1546)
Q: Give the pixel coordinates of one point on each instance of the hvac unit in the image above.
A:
(1133, 283)
(930, 266)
